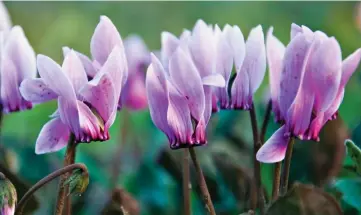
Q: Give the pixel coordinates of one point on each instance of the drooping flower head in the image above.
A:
(249, 60)
(179, 91)
(8, 196)
(17, 62)
(138, 57)
(311, 87)
(85, 108)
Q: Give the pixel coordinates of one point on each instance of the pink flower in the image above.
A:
(311, 87)
(85, 108)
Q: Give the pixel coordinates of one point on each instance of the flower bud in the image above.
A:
(78, 182)
(8, 196)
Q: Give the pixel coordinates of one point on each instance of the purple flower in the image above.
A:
(138, 58)
(85, 108)
(17, 63)
(179, 92)
(311, 86)
(249, 60)
(7, 210)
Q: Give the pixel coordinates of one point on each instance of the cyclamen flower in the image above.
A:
(249, 61)
(311, 87)
(104, 39)
(179, 91)
(17, 63)
(86, 109)
(8, 196)
(138, 57)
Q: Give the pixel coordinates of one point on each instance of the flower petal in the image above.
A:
(74, 69)
(5, 22)
(87, 63)
(18, 48)
(237, 44)
(187, 80)
(104, 39)
(53, 136)
(69, 114)
(274, 150)
(292, 71)
(137, 53)
(295, 29)
(134, 92)
(215, 80)
(157, 94)
(169, 44)
(116, 67)
(349, 66)
(90, 125)
(275, 52)
(202, 48)
(100, 94)
(36, 91)
(54, 77)
(325, 64)
(179, 118)
(255, 60)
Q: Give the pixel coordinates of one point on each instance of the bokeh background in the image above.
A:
(148, 170)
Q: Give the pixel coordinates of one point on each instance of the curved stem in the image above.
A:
(257, 165)
(62, 190)
(186, 184)
(276, 181)
(45, 180)
(266, 119)
(202, 183)
(287, 165)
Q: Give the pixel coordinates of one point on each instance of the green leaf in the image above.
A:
(351, 191)
(354, 153)
(305, 199)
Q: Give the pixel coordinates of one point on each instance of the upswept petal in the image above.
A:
(237, 44)
(5, 22)
(215, 80)
(292, 72)
(240, 92)
(92, 127)
(36, 91)
(69, 114)
(169, 44)
(133, 95)
(188, 82)
(224, 63)
(54, 77)
(116, 67)
(18, 48)
(157, 94)
(74, 69)
(324, 68)
(255, 60)
(53, 136)
(274, 150)
(349, 66)
(100, 94)
(295, 29)
(179, 119)
(10, 94)
(104, 39)
(275, 52)
(202, 48)
(87, 63)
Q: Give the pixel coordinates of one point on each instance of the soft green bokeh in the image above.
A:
(51, 25)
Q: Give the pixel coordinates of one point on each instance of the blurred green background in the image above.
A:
(145, 171)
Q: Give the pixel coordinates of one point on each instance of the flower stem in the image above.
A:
(287, 165)
(62, 190)
(186, 183)
(117, 155)
(258, 198)
(45, 180)
(202, 183)
(276, 181)
(266, 121)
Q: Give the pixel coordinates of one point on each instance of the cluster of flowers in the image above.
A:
(189, 79)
